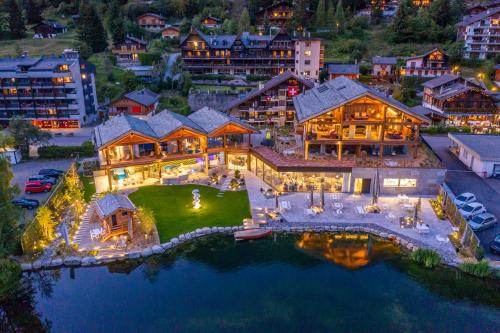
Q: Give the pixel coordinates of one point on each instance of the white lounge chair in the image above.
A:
(360, 210)
(422, 228)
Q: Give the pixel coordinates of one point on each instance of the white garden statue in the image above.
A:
(196, 199)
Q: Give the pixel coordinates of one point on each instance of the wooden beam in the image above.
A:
(131, 151)
(207, 164)
(339, 151)
(110, 179)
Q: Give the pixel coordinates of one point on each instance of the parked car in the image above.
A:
(43, 178)
(472, 209)
(482, 221)
(495, 245)
(26, 203)
(464, 199)
(37, 187)
(51, 172)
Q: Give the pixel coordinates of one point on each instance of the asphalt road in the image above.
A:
(24, 170)
(460, 179)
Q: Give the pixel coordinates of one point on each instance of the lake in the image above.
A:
(286, 283)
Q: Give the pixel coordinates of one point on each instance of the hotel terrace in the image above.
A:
(133, 151)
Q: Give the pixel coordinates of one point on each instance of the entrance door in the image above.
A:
(366, 185)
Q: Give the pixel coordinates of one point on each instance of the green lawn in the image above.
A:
(174, 213)
(38, 47)
(88, 187)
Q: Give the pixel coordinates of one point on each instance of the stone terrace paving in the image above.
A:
(387, 221)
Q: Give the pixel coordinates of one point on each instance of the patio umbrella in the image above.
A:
(322, 196)
(311, 197)
(418, 205)
(376, 189)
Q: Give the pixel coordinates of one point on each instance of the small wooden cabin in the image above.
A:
(115, 213)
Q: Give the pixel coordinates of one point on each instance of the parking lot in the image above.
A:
(26, 169)
(460, 180)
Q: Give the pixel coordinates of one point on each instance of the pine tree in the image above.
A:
(376, 12)
(115, 25)
(330, 15)
(401, 25)
(90, 29)
(340, 17)
(16, 20)
(440, 12)
(33, 12)
(301, 12)
(321, 14)
(244, 22)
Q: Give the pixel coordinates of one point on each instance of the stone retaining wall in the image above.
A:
(74, 261)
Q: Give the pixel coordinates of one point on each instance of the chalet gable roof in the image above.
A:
(277, 80)
(210, 119)
(203, 121)
(335, 93)
(144, 97)
(158, 16)
(343, 69)
(467, 20)
(440, 80)
(425, 54)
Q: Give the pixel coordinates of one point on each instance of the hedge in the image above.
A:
(85, 150)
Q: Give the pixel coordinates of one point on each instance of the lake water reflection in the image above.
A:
(295, 283)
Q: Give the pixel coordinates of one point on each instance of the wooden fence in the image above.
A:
(467, 237)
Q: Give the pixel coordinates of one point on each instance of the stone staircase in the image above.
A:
(82, 235)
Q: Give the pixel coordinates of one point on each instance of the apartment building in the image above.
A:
(248, 54)
(481, 34)
(309, 57)
(51, 91)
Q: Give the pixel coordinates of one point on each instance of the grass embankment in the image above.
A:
(37, 47)
(88, 187)
(174, 212)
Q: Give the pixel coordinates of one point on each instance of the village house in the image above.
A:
(151, 22)
(497, 73)
(211, 22)
(350, 71)
(271, 103)
(384, 68)
(170, 32)
(276, 15)
(127, 53)
(430, 64)
(115, 213)
(140, 103)
(48, 29)
(462, 102)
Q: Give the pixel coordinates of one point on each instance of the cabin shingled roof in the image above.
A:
(111, 202)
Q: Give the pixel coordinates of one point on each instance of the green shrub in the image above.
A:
(427, 258)
(480, 269)
(85, 150)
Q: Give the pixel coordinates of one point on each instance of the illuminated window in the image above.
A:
(52, 111)
(67, 79)
(84, 76)
(64, 68)
(308, 53)
(400, 182)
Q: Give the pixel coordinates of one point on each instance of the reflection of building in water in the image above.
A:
(351, 251)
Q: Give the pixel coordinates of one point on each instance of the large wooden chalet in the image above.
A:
(343, 117)
(463, 103)
(237, 54)
(272, 103)
(430, 64)
(137, 151)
